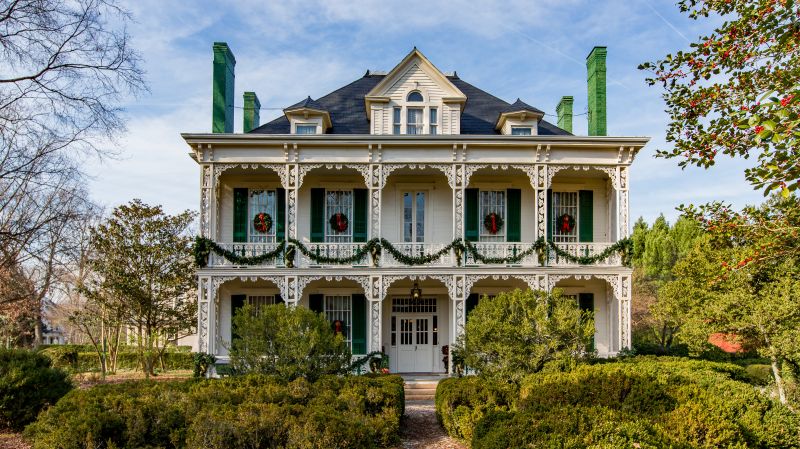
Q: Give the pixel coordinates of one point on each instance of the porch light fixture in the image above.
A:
(416, 292)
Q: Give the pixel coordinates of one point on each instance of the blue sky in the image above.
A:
(286, 50)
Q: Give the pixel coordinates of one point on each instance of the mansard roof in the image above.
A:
(346, 108)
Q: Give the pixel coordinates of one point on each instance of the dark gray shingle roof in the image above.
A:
(307, 103)
(346, 108)
(520, 105)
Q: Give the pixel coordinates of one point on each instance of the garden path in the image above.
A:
(421, 430)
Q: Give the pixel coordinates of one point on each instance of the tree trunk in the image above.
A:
(776, 373)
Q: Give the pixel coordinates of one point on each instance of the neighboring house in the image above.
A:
(421, 159)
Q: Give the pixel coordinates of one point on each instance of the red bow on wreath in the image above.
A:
(493, 223)
(339, 222)
(566, 224)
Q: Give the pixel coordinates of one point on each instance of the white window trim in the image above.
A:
(481, 228)
(577, 213)
(315, 125)
(410, 188)
(328, 214)
(528, 127)
(273, 232)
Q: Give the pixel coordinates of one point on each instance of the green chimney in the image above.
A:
(250, 118)
(564, 111)
(596, 68)
(222, 89)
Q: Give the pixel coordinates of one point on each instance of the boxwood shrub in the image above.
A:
(28, 383)
(652, 402)
(237, 412)
(80, 359)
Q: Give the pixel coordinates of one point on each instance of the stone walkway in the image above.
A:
(421, 430)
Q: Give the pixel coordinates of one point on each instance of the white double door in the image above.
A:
(415, 345)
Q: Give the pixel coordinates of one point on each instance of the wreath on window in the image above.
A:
(338, 328)
(565, 223)
(493, 223)
(262, 222)
(338, 222)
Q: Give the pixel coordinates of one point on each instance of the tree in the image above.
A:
(737, 91)
(286, 342)
(143, 269)
(657, 249)
(66, 68)
(516, 333)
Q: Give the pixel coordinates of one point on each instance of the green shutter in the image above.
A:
(317, 215)
(472, 301)
(315, 302)
(239, 215)
(359, 325)
(280, 214)
(471, 215)
(360, 208)
(549, 214)
(514, 215)
(586, 304)
(585, 215)
(237, 302)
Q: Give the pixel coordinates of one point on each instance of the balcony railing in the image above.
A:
(583, 250)
(334, 251)
(417, 250)
(488, 250)
(245, 250)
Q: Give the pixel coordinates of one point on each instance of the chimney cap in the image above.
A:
(601, 50)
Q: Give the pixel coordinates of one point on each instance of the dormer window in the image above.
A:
(414, 96)
(305, 128)
(521, 131)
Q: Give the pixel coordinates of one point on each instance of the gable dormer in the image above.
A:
(415, 98)
(307, 117)
(519, 119)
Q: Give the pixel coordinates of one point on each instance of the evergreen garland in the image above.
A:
(204, 246)
(376, 359)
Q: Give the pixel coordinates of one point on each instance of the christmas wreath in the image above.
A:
(262, 222)
(338, 222)
(565, 223)
(493, 223)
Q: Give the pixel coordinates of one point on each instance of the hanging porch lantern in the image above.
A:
(416, 292)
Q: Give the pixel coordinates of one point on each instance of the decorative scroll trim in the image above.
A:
(280, 169)
(611, 171)
(388, 280)
(303, 281)
(447, 169)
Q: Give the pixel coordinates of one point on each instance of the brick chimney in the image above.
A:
(222, 89)
(564, 112)
(250, 118)
(596, 77)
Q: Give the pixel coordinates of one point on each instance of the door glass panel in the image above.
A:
(422, 331)
(414, 217)
(406, 332)
(420, 218)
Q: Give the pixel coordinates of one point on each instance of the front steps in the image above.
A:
(421, 388)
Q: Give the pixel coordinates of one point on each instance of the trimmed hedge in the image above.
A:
(663, 402)
(461, 402)
(77, 359)
(238, 412)
(28, 383)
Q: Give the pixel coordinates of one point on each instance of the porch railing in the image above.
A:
(332, 250)
(489, 250)
(417, 250)
(582, 250)
(245, 250)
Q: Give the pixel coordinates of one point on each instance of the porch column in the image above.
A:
(213, 316)
(375, 186)
(207, 202)
(203, 286)
(624, 308)
(375, 313)
(458, 296)
(540, 190)
(293, 184)
(458, 185)
(622, 203)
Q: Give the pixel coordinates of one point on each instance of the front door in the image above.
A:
(415, 348)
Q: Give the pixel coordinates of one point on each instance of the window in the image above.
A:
(520, 130)
(414, 217)
(261, 201)
(394, 330)
(305, 128)
(396, 120)
(339, 312)
(414, 96)
(434, 120)
(414, 121)
(411, 305)
(260, 301)
(339, 202)
(492, 201)
(565, 203)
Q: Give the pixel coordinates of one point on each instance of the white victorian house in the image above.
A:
(393, 204)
